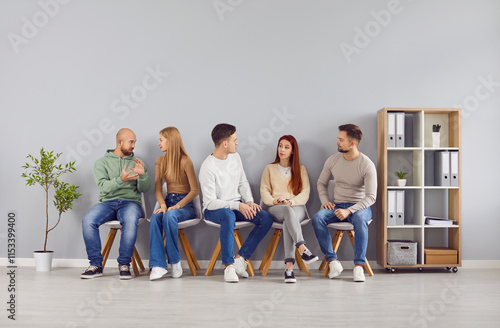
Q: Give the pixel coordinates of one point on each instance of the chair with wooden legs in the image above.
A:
(341, 228)
(237, 238)
(271, 248)
(114, 226)
(183, 240)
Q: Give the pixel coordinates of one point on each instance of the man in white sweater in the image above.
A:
(227, 198)
(355, 191)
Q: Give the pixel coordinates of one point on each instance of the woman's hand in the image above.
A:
(282, 201)
(175, 207)
(162, 209)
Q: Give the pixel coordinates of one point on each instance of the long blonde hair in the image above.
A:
(171, 161)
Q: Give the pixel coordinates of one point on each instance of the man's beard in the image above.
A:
(342, 150)
(126, 152)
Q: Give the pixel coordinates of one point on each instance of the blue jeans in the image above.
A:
(359, 220)
(125, 211)
(168, 222)
(227, 219)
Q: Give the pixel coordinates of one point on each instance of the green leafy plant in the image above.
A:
(45, 172)
(401, 174)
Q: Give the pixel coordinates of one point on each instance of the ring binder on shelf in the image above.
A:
(400, 207)
(442, 168)
(391, 130)
(400, 129)
(454, 168)
(391, 208)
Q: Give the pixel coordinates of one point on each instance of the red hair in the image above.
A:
(295, 183)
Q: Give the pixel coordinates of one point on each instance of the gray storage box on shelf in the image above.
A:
(401, 252)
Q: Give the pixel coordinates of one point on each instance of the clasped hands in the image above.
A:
(134, 172)
(341, 213)
(249, 210)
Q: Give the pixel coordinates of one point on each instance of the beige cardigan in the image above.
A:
(275, 185)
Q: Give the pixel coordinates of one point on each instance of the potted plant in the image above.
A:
(45, 172)
(436, 136)
(401, 178)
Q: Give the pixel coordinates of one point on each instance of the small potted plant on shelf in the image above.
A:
(45, 172)
(401, 178)
(436, 136)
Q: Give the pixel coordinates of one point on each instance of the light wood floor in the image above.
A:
(433, 298)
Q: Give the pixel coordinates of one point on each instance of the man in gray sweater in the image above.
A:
(355, 191)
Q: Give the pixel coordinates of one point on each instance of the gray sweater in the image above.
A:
(355, 181)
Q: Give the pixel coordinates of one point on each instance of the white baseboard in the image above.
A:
(83, 263)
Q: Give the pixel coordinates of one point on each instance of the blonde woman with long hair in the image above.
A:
(175, 168)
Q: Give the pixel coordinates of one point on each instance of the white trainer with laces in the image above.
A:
(241, 267)
(230, 274)
(157, 273)
(335, 269)
(358, 274)
(176, 270)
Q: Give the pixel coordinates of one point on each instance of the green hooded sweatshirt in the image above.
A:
(107, 174)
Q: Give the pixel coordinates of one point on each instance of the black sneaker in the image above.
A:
(125, 271)
(309, 257)
(289, 276)
(92, 272)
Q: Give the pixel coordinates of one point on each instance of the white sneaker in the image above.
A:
(176, 270)
(335, 269)
(230, 274)
(358, 274)
(241, 267)
(157, 273)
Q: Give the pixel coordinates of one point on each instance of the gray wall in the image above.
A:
(269, 67)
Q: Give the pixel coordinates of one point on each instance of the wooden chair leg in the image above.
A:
(239, 242)
(138, 259)
(215, 255)
(367, 266)
(134, 264)
(300, 263)
(190, 251)
(322, 265)
(337, 238)
(272, 249)
(184, 245)
(107, 246)
(268, 250)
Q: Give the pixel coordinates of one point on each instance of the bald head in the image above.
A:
(125, 142)
(123, 134)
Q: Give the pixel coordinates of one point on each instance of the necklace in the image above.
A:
(285, 170)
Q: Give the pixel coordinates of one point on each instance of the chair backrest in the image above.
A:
(196, 202)
(331, 187)
(143, 206)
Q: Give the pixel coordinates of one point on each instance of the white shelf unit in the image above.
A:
(422, 197)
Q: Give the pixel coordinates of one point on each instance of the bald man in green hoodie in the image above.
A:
(121, 179)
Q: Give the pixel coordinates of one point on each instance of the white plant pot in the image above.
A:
(43, 261)
(436, 139)
(401, 182)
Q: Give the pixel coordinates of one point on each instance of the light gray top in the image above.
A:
(355, 181)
